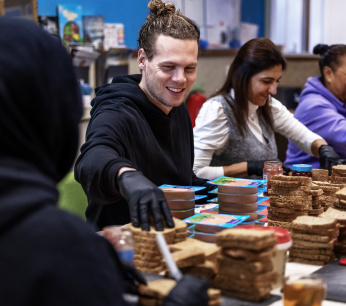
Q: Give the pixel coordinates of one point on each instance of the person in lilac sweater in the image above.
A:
(322, 105)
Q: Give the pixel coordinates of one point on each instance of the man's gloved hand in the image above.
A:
(255, 167)
(144, 198)
(132, 277)
(328, 157)
(189, 291)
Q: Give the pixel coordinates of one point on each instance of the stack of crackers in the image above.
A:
(313, 240)
(320, 175)
(317, 202)
(289, 197)
(341, 195)
(147, 256)
(154, 292)
(328, 197)
(196, 257)
(338, 174)
(245, 263)
(340, 216)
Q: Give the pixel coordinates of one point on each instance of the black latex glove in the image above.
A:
(132, 278)
(255, 167)
(328, 157)
(144, 198)
(190, 291)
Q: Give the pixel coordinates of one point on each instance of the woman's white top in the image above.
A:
(211, 133)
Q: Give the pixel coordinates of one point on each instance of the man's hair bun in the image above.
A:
(158, 8)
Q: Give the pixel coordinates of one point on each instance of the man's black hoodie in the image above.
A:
(127, 130)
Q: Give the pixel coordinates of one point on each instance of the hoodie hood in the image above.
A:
(314, 86)
(40, 102)
(40, 109)
(127, 88)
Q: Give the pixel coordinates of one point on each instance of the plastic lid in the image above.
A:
(281, 234)
(301, 167)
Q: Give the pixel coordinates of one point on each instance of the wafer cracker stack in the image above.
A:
(320, 175)
(147, 256)
(180, 230)
(340, 216)
(313, 240)
(196, 257)
(328, 198)
(245, 263)
(289, 197)
(316, 202)
(338, 174)
(341, 195)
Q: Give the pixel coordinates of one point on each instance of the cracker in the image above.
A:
(341, 194)
(207, 269)
(308, 222)
(248, 255)
(246, 238)
(210, 250)
(308, 261)
(321, 175)
(158, 288)
(283, 178)
(229, 266)
(282, 224)
(188, 257)
(328, 252)
(310, 237)
(297, 243)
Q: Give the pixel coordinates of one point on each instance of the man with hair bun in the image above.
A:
(140, 134)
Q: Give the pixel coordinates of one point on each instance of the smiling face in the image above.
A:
(263, 84)
(336, 80)
(169, 75)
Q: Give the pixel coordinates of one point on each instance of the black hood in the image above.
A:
(124, 86)
(40, 102)
(127, 88)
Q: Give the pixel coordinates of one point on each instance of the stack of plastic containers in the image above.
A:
(239, 197)
(181, 199)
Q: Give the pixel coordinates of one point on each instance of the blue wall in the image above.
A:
(254, 11)
(131, 13)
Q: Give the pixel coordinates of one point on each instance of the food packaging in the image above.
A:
(205, 237)
(184, 204)
(182, 214)
(231, 185)
(122, 240)
(175, 192)
(212, 223)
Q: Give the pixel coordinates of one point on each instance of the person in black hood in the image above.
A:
(49, 257)
(140, 133)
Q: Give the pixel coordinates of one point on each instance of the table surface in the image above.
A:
(293, 270)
